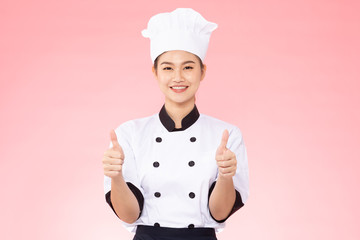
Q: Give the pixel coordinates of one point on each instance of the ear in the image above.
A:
(154, 71)
(203, 73)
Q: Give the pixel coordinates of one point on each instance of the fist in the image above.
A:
(113, 158)
(225, 159)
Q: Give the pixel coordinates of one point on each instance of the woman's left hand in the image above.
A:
(225, 159)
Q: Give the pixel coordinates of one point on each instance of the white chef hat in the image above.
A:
(182, 29)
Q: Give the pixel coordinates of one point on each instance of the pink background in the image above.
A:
(286, 72)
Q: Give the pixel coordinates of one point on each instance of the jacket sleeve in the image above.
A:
(241, 178)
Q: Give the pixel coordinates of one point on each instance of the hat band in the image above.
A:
(179, 40)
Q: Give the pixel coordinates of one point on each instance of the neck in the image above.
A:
(178, 111)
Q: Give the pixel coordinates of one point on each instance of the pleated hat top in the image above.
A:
(183, 29)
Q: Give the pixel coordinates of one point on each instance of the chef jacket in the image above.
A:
(172, 172)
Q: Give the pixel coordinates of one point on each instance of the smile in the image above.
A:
(179, 89)
(183, 87)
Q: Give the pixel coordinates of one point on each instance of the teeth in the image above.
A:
(178, 87)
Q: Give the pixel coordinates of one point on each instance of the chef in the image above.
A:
(177, 174)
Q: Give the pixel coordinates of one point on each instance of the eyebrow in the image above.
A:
(170, 63)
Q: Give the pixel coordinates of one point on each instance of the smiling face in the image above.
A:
(179, 74)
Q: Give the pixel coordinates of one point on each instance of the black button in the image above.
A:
(156, 225)
(191, 163)
(157, 194)
(191, 226)
(158, 139)
(191, 195)
(156, 164)
(193, 139)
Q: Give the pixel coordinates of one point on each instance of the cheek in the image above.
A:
(162, 82)
(195, 79)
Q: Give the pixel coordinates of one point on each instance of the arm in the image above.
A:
(124, 201)
(224, 199)
(122, 197)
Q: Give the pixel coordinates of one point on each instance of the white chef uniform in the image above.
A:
(173, 171)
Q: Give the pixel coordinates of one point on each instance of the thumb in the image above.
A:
(224, 140)
(114, 140)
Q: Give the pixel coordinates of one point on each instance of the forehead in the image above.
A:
(178, 56)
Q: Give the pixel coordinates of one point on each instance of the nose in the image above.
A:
(178, 76)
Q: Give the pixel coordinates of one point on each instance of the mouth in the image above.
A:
(179, 89)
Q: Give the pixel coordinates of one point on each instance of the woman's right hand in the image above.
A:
(113, 158)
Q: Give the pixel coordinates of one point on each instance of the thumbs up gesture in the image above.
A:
(113, 158)
(225, 159)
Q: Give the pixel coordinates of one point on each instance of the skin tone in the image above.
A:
(178, 75)
(178, 69)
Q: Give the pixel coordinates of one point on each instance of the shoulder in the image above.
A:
(216, 123)
(137, 124)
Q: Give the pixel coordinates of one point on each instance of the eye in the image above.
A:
(188, 67)
(167, 68)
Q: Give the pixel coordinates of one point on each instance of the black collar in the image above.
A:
(186, 122)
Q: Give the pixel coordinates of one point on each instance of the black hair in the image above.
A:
(156, 62)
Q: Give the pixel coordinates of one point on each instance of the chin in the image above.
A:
(181, 101)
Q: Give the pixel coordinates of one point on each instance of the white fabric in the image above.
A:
(182, 29)
(174, 178)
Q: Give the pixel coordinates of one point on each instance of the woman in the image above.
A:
(177, 174)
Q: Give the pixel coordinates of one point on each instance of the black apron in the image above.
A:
(164, 233)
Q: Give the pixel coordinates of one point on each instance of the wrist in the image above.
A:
(118, 178)
(225, 179)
